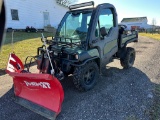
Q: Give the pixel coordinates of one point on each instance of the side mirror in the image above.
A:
(103, 31)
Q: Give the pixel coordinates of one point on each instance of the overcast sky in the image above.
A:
(134, 8)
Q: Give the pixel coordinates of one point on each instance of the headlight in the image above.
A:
(55, 53)
(73, 57)
(76, 56)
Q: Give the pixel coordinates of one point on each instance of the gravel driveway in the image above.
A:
(119, 94)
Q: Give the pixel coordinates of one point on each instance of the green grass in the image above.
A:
(154, 36)
(25, 44)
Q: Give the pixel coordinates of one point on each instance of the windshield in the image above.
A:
(74, 26)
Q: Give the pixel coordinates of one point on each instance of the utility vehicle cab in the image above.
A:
(86, 26)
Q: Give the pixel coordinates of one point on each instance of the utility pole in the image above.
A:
(153, 25)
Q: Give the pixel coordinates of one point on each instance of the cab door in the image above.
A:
(106, 20)
(107, 44)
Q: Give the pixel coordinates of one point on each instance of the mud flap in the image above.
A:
(41, 93)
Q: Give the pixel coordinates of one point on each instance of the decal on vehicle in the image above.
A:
(38, 84)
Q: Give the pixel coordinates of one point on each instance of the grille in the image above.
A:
(64, 55)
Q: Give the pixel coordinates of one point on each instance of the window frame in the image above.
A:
(98, 21)
(12, 15)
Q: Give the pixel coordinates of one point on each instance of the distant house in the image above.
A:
(36, 13)
(136, 22)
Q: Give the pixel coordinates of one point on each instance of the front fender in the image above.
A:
(88, 54)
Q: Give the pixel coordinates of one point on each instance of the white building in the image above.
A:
(140, 22)
(36, 13)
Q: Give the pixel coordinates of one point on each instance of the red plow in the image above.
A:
(41, 93)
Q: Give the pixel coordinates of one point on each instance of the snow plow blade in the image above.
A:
(41, 93)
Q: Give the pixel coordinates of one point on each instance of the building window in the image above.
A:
(14, 14)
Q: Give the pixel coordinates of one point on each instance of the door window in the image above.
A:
(105, 20)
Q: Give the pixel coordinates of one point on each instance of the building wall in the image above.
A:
(30, 13)
(142, 24)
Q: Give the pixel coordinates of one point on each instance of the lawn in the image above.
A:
(154, 36)
(25, 44)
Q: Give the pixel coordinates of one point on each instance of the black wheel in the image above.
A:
(128, 60)
(85, 77)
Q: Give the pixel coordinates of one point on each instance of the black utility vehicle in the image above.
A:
(87, 39)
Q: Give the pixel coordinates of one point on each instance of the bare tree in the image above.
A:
(153, 24)
(66, 2)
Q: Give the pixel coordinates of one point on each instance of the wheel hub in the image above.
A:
(89, 76)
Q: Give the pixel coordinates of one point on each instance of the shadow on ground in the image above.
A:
(118, 94)
(2, 72)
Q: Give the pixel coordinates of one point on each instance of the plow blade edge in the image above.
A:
(41, 93)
